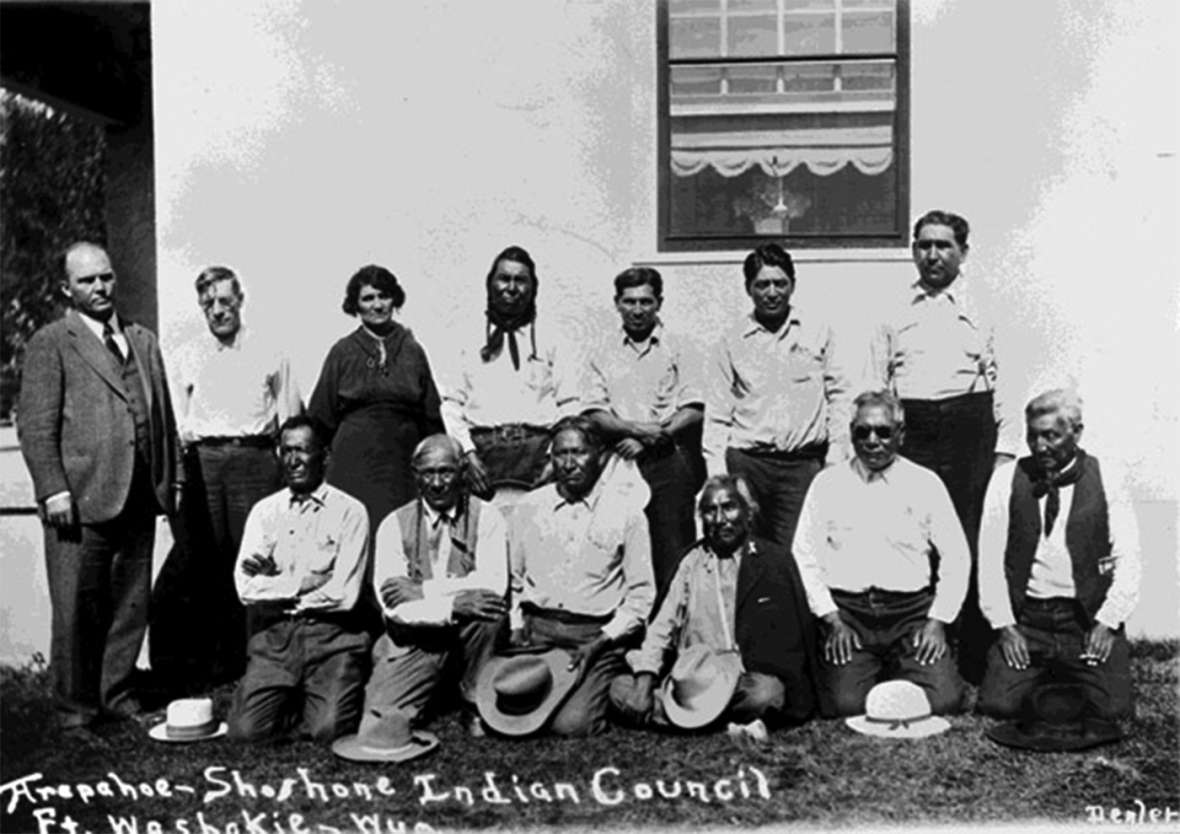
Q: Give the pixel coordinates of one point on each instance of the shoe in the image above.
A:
(754, 731)
(475, 726)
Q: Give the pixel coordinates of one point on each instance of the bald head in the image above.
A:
(89, 281)
(437, 464)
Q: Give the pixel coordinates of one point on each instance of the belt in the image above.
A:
(263, 615)
(880, 592)
(814, 451)
(249, 441)
(561, 615)
(510, 432)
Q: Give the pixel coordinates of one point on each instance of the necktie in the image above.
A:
(108, 339)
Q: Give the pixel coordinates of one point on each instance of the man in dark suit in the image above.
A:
(736, 597)
(97, 432)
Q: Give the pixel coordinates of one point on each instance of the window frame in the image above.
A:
(897, 238)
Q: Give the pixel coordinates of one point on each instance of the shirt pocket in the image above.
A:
(538, 373)
(321, 559)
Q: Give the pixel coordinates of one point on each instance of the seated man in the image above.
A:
(299, 574)
(767, 622)
(440, 569)
(581, 572)
(866, 536)
(1059, 568)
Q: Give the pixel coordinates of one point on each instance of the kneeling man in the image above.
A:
(731, 594)
(440, 569)
(866, 536)
(299, 574)
(580, 558)
(1059, 568)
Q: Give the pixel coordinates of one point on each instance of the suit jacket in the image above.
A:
(774, 628)
(75, 424)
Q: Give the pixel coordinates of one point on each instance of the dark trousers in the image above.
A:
(886, 621)
(99, 578)
(303, 674)
(779, 483)
(1056, 633)
(956, 438)
(584, 711)
(670, 512)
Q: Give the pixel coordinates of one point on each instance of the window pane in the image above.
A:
(811, 34)
(746, 79)
(876, 5)
(809, 78)
(876, 76)
(753, 5)
(868, 32)
(694, 37)
(809, 4)
(754, 35)
(696, 81)
(676, 7)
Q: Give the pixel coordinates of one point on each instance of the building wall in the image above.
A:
(297, 140)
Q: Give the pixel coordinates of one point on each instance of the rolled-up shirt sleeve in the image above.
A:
(1126, 562)
(639, 589)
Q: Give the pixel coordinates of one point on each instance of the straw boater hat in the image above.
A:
(385, 736)
(188, 719)
(700, 686)
(898, 709)
(1056, 718)
(517, 692)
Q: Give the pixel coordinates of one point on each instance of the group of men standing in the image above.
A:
(845, 539)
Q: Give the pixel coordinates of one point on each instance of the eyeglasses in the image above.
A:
(863, 432)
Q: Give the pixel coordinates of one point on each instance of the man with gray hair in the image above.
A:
(440, 570)
(1059, 567)
(866, 536)
(232, 390)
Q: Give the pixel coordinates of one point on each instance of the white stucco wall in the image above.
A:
(297, 141)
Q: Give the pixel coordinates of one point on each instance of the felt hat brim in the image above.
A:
(564, 682)
(1036, 737)
(705, 711)
(160, 733)
(931, 725)
(354, 748)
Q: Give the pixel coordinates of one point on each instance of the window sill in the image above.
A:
(875, 255)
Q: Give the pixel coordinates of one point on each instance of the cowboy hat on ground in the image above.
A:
(1056, 718)
(898, 709)
(518, 692)
(188, 719)
(385, 736)
(700, 686)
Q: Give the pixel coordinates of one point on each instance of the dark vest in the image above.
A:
(415, 526)
(136, 400)
(1087, 534)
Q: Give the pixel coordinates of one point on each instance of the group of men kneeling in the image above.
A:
(546, 620)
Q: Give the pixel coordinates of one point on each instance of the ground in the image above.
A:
(819, 775)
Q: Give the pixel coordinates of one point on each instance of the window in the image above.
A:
(783, 119)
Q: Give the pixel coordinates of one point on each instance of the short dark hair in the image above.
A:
(768, 254)
(938, 217)
(516, 254)
(377, 277)
(639, 276)
(303, 421)
(578, 423)
(210, 275)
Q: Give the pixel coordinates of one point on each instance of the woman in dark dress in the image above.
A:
(375, 398)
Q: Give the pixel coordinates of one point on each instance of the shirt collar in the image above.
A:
(317, 497)
(590, 499)
(754, 326)
(953, 293)
(653, 338)
(867, 475)
(96, 327)
(236, 344)
(433, 516)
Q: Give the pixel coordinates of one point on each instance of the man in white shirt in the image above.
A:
(1059, 567)
(299, 574)
(232, 390)
(866, 535)
(440, 571)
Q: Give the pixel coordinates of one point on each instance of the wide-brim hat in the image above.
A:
(1056, 718)
(898, 709)
(518, 691)
(700, 686)
(385, 736)
(188, 720)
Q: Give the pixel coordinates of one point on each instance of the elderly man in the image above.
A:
(441, 573)
(580, 559)
(232, 391)
(97, 432)
(868, 530)
(500, 400)
(935, 351)
(775, 396)
(641, 394)
(299, 574)
(1059, 567)
(730, 593)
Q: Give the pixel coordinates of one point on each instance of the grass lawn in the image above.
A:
(822, 775)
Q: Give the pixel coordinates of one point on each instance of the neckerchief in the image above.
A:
(1050, 484)
(499, 326)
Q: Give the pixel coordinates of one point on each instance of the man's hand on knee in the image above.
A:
(637, 701)
(479, 604)
(841, 640)
(930, 642)
(1014, 648)
(1099, 642)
